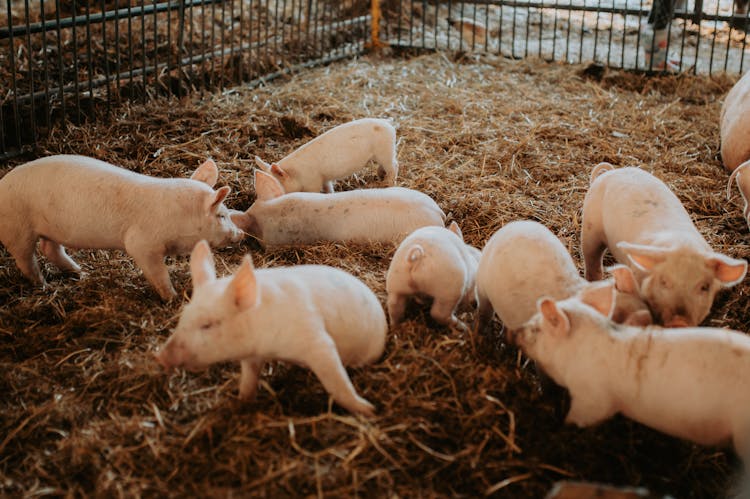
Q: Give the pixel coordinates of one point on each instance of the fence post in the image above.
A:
(375, 17)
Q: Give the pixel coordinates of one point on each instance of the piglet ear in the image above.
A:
(266, 186)
(641, 318)
(644, 257)
(246, 222)
(624, 279)
(207, 173)
(215, 199)
(600, 296)
(553, 319)
(243, 289)
(202, 267)
(279, 171)
(262, 164)
(456, 230)
(729, 271)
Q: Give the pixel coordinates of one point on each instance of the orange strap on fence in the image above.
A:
(376, 15)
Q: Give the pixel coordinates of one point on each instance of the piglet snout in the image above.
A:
(163, 360)
(237, 235)
(512, 335)
(171, 355)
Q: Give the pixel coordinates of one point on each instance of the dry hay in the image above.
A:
(86, 410)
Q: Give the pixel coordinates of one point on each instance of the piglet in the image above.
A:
(433, 262)
(645, 226)
(81, 202)
(687, 382)
(365, 215)
(336, 154)
(735, 124)
(316, 316)
(524, 261)
(742, 175)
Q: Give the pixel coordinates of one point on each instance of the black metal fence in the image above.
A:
(68, 60)
(71, 60)
(701, 38)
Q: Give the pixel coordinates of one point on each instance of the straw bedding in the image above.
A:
(86, 411)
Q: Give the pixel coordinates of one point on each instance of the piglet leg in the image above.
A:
(396, 307)
(589, 410)
(323, 359)
(593, 248)
(56, 254)
(151, 262)
(484, 313)
(21, 247)
(442, 312)
(249, 378)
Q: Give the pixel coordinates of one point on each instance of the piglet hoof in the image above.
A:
(248, 391)
(247, 395)
(167, 295)
(461, 326)
(363, 407)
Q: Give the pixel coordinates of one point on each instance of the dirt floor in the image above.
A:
(87, 411)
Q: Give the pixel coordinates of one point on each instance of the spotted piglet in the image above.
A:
(686, 382)
(644, 225)
(312, 315)
(360, 216)
(742, 176)
(433, 262)
(735, 124)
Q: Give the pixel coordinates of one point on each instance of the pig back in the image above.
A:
(348, 309)
(521, 263)
(636, 207)
(448, 263)
(82, 202)
(735, 124)
(343, 149)
(365, 215)
(663, 364)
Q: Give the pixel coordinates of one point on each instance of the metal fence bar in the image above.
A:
(110, 15)
(218, 53)
(567, 34)
(32, 114)
(744, 41)
(106, 64)
(117, 49)
(16, 117)
(48, 110)
(169, 53)
(60, 61)
(272, 35)
(143, 50)
(180, 45)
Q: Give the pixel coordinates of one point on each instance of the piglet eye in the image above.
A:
(206, 326)
(705, 287)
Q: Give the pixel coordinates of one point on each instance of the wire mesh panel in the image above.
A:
(71, 59)
(701, 38)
